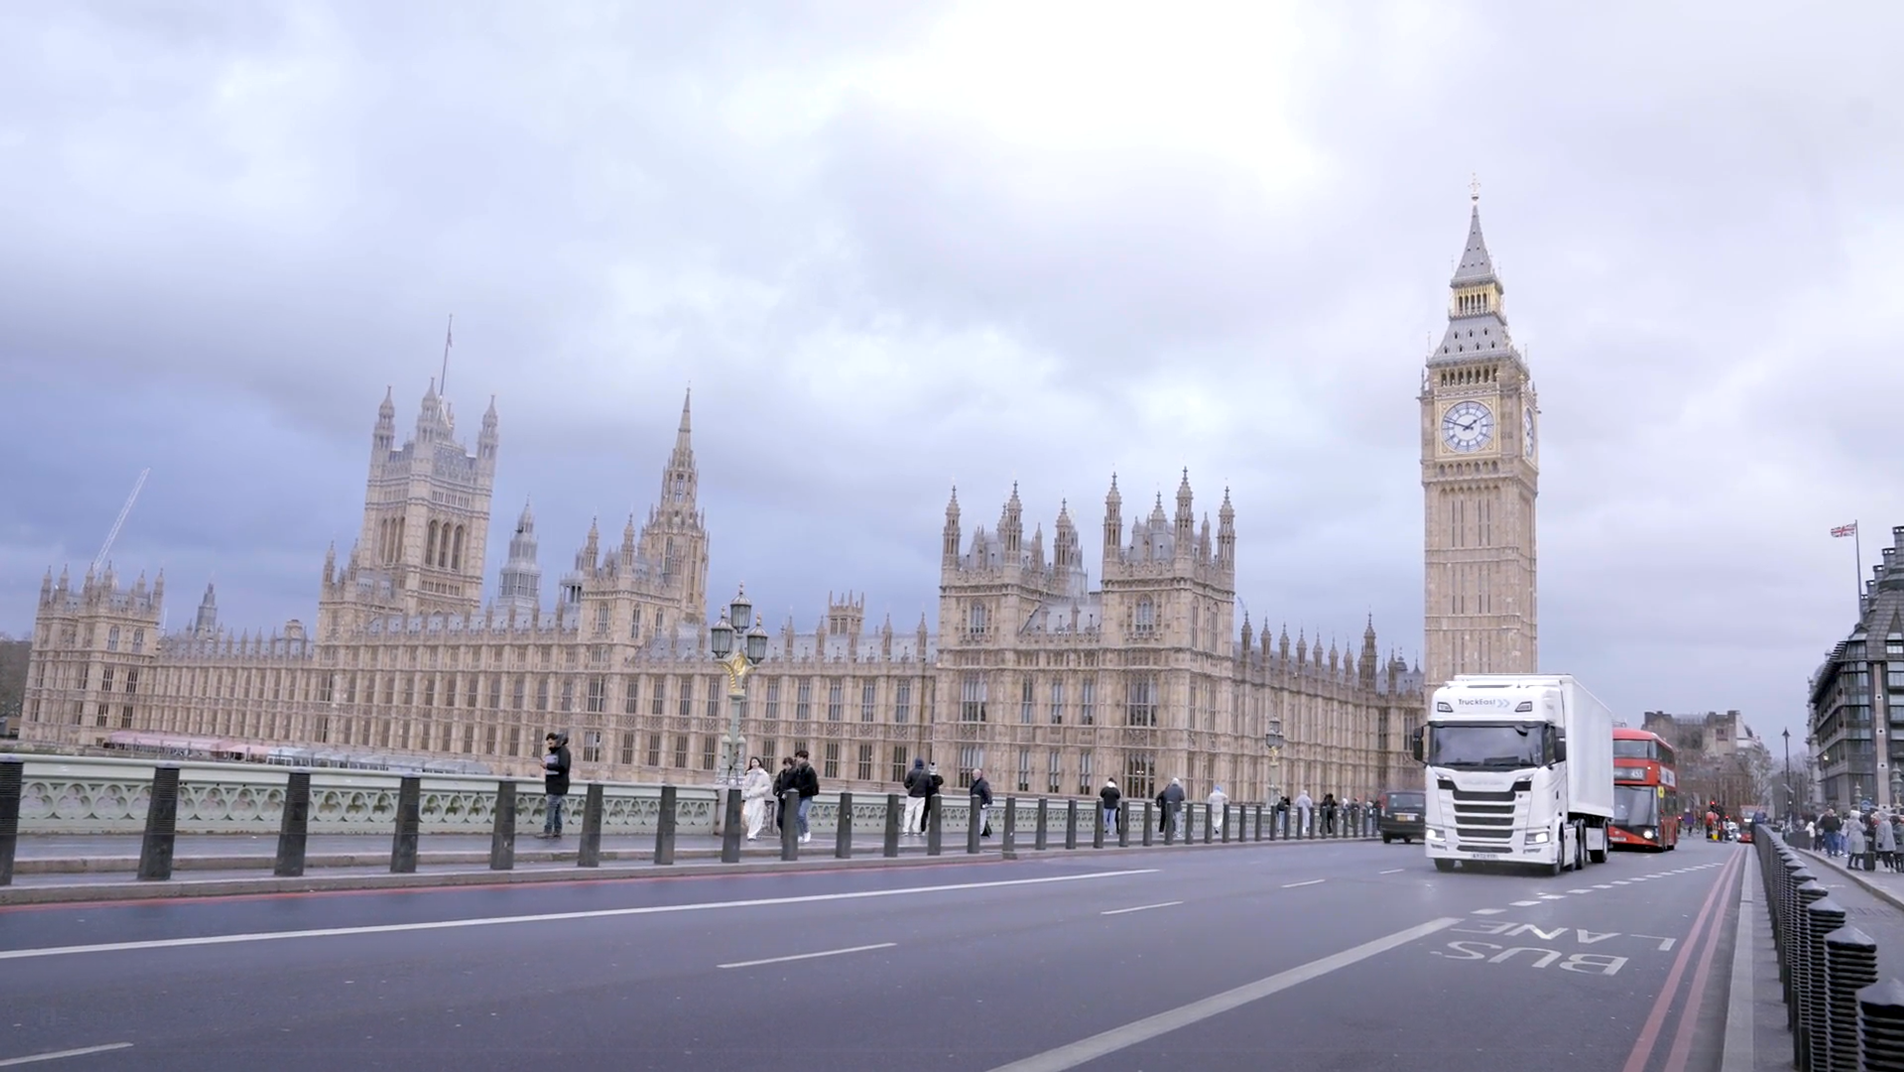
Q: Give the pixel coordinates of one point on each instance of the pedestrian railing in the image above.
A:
(1841, 1017)
(41, 796)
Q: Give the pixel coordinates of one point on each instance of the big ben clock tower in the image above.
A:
(1479, 476)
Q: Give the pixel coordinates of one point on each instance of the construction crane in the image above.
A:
(99, 564)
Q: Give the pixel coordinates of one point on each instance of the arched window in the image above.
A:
(429, 547)
(456, 556)
(1146, 616)
(112, 639)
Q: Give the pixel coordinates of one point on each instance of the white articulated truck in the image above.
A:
(1519, 769)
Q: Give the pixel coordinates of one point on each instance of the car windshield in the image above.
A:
(1406, 801)
(1635, 805)
(1507, 745)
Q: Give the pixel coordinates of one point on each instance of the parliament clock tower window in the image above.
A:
(1480, 475)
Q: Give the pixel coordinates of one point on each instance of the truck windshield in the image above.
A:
(1635, 805)
(1504, 745)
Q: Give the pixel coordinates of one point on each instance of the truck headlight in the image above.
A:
(1539, 837)
(1433, 834)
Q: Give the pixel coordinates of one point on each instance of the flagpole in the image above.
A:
(1857, 549)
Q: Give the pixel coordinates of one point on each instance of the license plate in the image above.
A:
(1405, 816)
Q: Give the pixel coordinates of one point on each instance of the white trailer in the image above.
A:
(1519, 769)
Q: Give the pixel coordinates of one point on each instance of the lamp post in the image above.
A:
(1273, 741)
(1789, 802)
(738, 649)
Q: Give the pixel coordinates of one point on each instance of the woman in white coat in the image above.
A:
(755, 786)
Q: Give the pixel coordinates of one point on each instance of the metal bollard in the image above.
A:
(1851, 964)
(1169, 823)
(1822, 916)
(1008, 841)
(1257, 809)
(1097, 827)
(1071, 823)
(935, 830)
(502, 832)
(1148, 825)
(294, 826)
(893, 806)
(589, 852)
(1801, 967)
(403, 844)
(974, 824)
(1226, 822)
(161, 825)
(1209, 822)
(1881, 1025)
(1123, 824)
(664, 826)
(790, 825)
(843, 829)
(1041, 842)
(12, 782)
(1189, 812)
(731, 823)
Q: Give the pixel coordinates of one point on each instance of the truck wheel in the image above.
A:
(1444, 865)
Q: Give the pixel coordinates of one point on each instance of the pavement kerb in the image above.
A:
(133, 889)
(1869, 887)
(1738, 1054)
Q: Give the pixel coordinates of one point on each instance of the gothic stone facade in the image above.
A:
(1048, 683)
(1480, 476)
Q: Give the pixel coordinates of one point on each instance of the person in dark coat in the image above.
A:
(555, 782)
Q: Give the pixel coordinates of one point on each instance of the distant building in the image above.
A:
(1856, 755)
(1719, 757)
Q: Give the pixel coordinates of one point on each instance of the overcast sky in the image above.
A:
(895, 246)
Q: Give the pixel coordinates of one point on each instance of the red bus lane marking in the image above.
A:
(1649, 1034)
(1689, 1016)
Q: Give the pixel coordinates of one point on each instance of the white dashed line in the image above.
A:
(1601, 886)
(1553, 896)
(1579, 891)
(1139, 908)
(1393, 871)
(1311, 882)
(1488, 911)
(1525, 904)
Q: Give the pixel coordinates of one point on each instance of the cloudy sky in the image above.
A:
(898, 246)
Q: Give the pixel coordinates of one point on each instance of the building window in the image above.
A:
(519, 695)
(112, 639)
(138, 641)
(866, 763)
(542, 692)
(568, 695)
(773, 699)
(449, 689)
(975, 618)
(654, 749)
(631, 698)
(1026, 700)
(686, 705)
(803, 700)
(972, 697)
(597, 694)
(1146, 617)
(971, 758)
(1054, 773)
(1057, 702)
(132, 681)
(1893, 645)
(105, 680)
(1893, 677)
(831, 767)
(1142, 706)
(601, 620)
(899, 764)
(1140, 775)
(902, 702)
(125, 719)
(1084, 775)
(1087, 702)
(767, 754)
(1024, 770)
(868, 697)
(707, 752)
(835, 704)
(658, 703)
(681, 751)
(714, 698)
(627, 747)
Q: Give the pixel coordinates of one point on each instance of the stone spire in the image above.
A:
(1477, 319)
(1475, 266)
(678, 483)
(521, 582)
(206, 624)
(949, 548)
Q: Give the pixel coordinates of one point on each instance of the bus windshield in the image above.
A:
(1628, 749)
(1635, 806)
(1505, 746)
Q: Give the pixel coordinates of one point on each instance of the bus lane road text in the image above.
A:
(1557, 946)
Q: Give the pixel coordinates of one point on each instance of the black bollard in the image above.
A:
(731, 827)
(161, 825)
(843, 829)
(502, 831)
(974, 824)
(1149, 826)
(790, 825)
(403, 844)
(935, 833)
(1189, 822)
(893, 813)
(589, 852)
(1169, 822)
(1123, 823)
(294, 825)
(1097, 827)
(1008, 838)
(1822, 916)
(664, 826)
(1851, 963)
(1040, 843)
(1209, 822)
(1806, 895)
(1256, 811)
(1881, 1025)
(1226, 823)
(1071, 823)
(12, 780)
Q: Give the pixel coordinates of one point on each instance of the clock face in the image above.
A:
(1467, 426)
(1527, 431)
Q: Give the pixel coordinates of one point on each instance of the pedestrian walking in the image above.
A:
(754, 787)
(918, 785)
(805, 781)
(981, 803)
(1218, 799)
(1108, 798)
(781, 783)
(555, 783)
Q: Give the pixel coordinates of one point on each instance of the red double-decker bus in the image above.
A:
(1645, 792)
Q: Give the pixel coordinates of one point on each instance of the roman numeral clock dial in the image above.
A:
(1467, 427)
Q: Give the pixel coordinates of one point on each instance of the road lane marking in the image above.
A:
(1139, 908)
(35, 1058)
(1695, 996)
(1488, 911)
(1579, 891)
(1394, 871)
(552, 917)
(1642, 1051)
(1602, 886)
(1524, 904)
(1553, 896)
(1090, 1049)
(1311, 882)
(806, 956)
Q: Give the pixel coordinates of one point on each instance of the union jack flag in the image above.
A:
(1846, 530)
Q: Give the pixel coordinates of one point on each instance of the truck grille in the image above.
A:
(1484, 821)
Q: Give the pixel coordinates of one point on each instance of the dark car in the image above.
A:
(1402, 815)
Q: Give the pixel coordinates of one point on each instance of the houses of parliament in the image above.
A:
(1027, 668)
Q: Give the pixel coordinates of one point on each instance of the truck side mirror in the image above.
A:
(1414, 744)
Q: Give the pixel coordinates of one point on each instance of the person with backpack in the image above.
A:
(555, 783)
(918, 785)
(1108, 798)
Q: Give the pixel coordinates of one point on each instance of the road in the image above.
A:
(1344, 955)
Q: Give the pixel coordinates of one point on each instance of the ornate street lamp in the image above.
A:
(1273, 741)
(738, 652)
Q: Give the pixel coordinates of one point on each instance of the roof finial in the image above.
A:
(447, 331)
(1474, 188)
